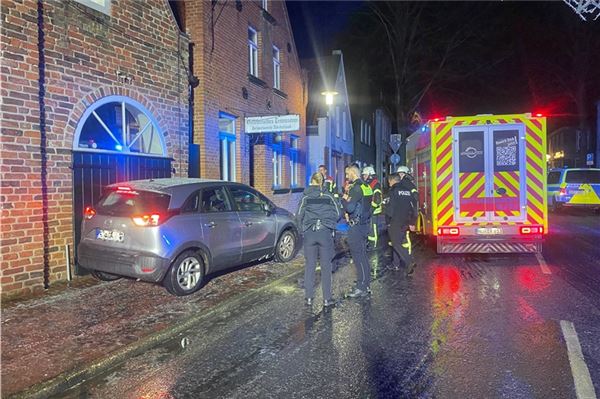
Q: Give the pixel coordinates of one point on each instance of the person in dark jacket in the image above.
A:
(328, 182)
(317, 218)
(357, 204)
(401, 216)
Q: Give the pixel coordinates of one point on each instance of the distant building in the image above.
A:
(569, 147)
(106, 100)
(245, 59)
(329, 127)
(372, 140)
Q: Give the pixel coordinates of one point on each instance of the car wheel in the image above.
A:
(286, 247)
(104, 276)
(186, 274)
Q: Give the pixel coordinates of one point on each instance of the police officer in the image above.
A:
(357, 204)
(318, 215)
(369, 177)
(401, 216)
(329, 182)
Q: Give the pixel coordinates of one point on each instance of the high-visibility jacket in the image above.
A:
(377, 200)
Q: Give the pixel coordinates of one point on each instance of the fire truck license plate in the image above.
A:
(110, 235)
(489, 230)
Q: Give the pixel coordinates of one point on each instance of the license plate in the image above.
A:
(489, 230)
(110, 235)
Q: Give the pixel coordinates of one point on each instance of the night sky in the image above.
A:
(524, 36)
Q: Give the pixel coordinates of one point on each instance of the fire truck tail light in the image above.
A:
(527, 230)
(448, 231)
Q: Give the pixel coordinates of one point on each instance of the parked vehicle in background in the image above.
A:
(481, 182)
(574, 187)
(176, 231)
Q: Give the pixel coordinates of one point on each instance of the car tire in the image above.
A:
(286, 247)
(186, 274)
(103, 276)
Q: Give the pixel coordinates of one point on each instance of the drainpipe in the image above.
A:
(43, 139)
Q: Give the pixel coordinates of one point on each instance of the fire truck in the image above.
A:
(481, 182)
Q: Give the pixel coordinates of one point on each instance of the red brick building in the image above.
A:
(245, 58)
(93, 91)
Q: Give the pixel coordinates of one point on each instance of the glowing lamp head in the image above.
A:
(329, 95)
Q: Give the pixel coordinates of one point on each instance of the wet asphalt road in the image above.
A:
(462, 327)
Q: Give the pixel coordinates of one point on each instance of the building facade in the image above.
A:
(329, 130)
(570, 146)
(91, 94)
(245, 59)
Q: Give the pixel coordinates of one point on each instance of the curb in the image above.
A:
(71, 378)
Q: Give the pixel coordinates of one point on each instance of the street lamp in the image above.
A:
(329, 96)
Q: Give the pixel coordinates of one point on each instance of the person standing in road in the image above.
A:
(329, 182)
(401, 216)
(357, 204)
(370, 178)
(317, 218)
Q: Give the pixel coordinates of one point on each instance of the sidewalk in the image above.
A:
(66, 333)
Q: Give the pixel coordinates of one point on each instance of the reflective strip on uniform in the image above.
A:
(373, 237)
(408, 244)
(366, 190)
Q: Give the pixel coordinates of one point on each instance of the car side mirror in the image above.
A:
(267, 208)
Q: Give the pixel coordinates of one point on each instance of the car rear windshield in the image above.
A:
(553, 177)
(583, 176)
(129, 203)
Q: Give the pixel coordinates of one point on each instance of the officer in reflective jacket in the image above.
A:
(401, 216)
(369, 177)
(317, 218)
(357, 204)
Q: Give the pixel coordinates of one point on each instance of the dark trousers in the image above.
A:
(401, 245)
(318, 245)
(357, 240)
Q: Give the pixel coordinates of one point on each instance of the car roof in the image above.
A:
(179, 188)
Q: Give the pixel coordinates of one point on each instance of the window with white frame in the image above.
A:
(227, 146)
(276, 68)
(252, 52)
(369, 135)
(294, 161)
(337, 121)
(277, 162)
(344, 127)
(98, 5)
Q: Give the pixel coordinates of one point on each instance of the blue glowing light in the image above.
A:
(119, 147)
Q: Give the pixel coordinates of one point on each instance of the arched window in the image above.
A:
(119, 124)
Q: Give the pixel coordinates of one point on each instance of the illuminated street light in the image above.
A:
(329, 96)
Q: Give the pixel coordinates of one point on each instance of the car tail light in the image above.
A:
(147, 220)
(89, 212)
(527, 230)
(563, 191)
(448, 231)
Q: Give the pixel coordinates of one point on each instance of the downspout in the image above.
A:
(43, 139)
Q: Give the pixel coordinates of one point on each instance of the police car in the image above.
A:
(574, 187)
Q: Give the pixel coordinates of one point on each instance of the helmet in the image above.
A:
(402, 169)
(368, 170)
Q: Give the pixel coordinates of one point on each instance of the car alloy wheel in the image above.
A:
(186, 274)
(286, 246)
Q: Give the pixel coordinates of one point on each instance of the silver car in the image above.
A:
(176, 231)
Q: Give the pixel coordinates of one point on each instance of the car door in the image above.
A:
(221, 227)
(258, 226)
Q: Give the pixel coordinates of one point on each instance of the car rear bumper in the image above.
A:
(143, 265)
(473, 244)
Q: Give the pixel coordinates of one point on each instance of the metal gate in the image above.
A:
(94, 171)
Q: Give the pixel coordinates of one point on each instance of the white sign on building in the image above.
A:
(272, 124)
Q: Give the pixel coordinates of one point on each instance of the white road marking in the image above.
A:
(584, 388)
(543, 264)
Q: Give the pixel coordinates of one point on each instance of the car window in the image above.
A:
(553, 177)
(128, 202)
(192, 203)
(583, 176)
(246, 199)
(215, 200)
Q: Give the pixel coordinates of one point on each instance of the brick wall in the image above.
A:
(220, 36)
(84, 49)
